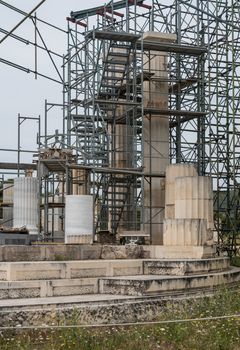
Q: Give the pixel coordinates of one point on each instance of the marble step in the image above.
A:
(159, 285)
(46, 270)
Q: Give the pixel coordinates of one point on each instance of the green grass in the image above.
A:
(222, 334)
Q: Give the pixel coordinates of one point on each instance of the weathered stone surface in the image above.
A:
(22, 253)
(134, 251)
(50, 271)
(92, 312)
(48, 252)
(185, 267)
(122, 252)
(113, 252)
(47, 288)
(185, 232)
(180, 252)
(91, 252)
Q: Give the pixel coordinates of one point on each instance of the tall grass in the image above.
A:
(222, 334)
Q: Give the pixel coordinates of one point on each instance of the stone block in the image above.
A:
(113, 252)
(158, 36)
(22, 253)
(89, 252)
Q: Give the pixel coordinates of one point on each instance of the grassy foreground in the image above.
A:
(207, 335)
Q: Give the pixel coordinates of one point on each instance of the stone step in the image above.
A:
(185, 266)
(51, 270)
(46, 270)
(159, 285)
(48, 288)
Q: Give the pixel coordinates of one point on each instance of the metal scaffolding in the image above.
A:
(106, 74)
(106, 114)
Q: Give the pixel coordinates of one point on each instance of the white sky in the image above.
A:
(20, 92)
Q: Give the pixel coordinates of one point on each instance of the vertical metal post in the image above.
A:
(45, 125)
(19, 145)
(35, 49)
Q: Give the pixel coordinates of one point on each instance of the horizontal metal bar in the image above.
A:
(92, 11)
(28, 42)
(16, 166)
(15, 150)
(116, 170)
(27, 70)
(172, 47)
(158, 111)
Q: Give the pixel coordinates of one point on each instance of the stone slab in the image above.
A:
(157, 36)
(179, 252)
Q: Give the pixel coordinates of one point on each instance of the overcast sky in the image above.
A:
(20, 92)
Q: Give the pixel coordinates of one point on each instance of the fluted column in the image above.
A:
(25, 203)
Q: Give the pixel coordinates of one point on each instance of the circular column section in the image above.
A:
(79, 219)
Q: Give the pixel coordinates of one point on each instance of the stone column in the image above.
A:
(155, 135)
(79, 181)
(25, 203)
